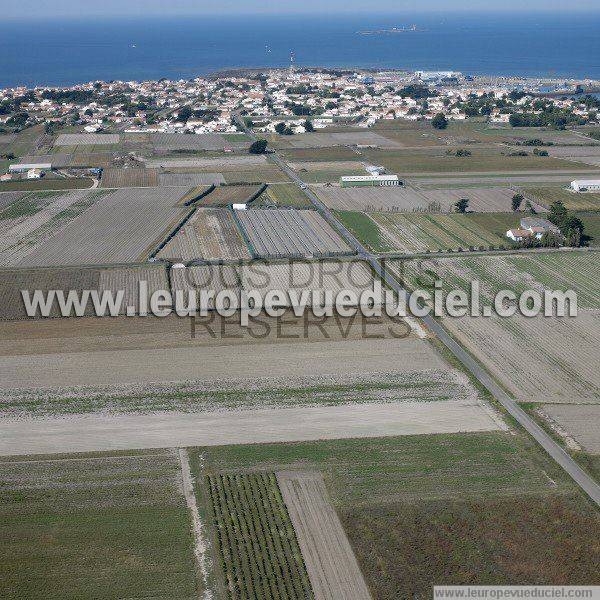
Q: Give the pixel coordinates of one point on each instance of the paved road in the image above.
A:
(585, 482)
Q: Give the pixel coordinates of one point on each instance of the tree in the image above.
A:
(308, 126)
(439, 121)
(517, 199)
(184, 114)
(280, 128)
(258, 147)
(462, 205)
(558, 214)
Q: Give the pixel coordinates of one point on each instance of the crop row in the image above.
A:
(259, 552)
(291, 233)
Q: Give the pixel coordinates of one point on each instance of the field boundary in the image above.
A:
(200, 547)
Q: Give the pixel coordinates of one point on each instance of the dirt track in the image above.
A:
(101, 432)
(332, 567)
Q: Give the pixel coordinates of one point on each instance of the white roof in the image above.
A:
(370, 178)
(584, 182)
(27, 167)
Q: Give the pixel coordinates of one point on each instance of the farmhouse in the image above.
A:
(532, 227)
(369, 180)
(586, 185)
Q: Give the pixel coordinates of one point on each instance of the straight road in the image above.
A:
(585, 482)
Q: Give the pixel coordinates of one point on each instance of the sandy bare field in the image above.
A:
(215, 362)
(330, 562)
(104, 432)
(581, 421)
(87, 139)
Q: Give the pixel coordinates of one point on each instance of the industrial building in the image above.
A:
(370, 180)
(586, 185)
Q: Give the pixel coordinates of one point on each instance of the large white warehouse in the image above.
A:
(586, 185)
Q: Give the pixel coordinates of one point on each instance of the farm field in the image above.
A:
(121, 432)
(332, 154)
(265, 174)
(120, 178)
(420, 133)
(329, 165)
(189, 179)
(329, 559)
(539, 358)
(123, 226)
(72, 183)
(295, 277)
(217, 164)
(115, 278)
(166, 142)
(226, 195)
(475, 487)
(331, 175)
(436, 384)
(364, 228)
(591, 224)
(482, 160)
(283, 194)
(407, 199)
(435, 232)
(372, 198)
(573, 201)
(24, 142)
(87, 139)
(7, 198)
(353, 138)
(292, 233)
(575, 271)
(30, 221)
(211, 234)
(258, 549)
(95, 527)
(580, 421)
(142, 362)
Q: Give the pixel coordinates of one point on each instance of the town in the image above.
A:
(298, 99)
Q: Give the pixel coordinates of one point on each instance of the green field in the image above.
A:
(592, 228)
(420, 232)
(470, 131)
(547, 195)
(405, 549)
(25, 142)
(365, 229)
(97, 527)
(78, 183)
(496, 505)
(286, 194)
(481, 160)
(258, 550)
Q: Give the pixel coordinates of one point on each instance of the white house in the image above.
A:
(532, 227)
(35, 174)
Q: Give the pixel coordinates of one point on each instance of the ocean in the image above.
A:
(64, 52)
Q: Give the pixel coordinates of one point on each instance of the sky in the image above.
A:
(27, 9)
